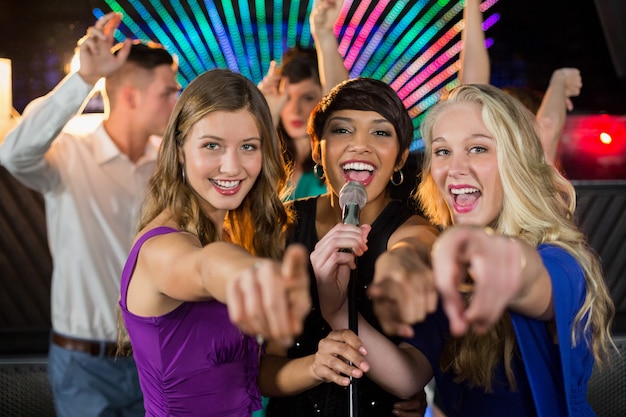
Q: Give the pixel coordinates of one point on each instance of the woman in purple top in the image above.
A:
(204, 274)
(523, 308)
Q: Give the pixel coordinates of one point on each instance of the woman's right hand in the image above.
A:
(332, 264)
(270, 299)
(339, 354)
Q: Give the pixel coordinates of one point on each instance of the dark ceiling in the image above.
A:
(533, 38)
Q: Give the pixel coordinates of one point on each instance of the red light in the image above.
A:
(605, 138)
(594, 147)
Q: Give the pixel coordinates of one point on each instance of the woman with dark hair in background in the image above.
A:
(294, 89)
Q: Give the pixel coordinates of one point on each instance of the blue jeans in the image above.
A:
(85, 386)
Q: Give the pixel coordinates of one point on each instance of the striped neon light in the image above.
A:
(264, 38)
(206, 34)
(411, 45)
(292, 23)
(388, 20)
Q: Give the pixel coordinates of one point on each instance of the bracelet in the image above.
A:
(522, 259)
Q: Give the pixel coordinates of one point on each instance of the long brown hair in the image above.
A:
(258, 224)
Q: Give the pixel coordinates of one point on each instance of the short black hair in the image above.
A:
(365, 94)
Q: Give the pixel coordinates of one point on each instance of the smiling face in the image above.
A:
(360, 146)
(465, 166)
(301, 100)
(222, 159)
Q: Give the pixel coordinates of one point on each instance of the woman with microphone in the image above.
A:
(361, 134)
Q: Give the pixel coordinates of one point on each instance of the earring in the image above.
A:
(318, 171)
(393, 178)
(182, 170)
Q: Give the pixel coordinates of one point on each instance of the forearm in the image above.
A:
(535, 296)
(220, 262)
(331, 66)
(41, 123)
(551, 116)
(474, 58)
(402, 371)
(280, 376)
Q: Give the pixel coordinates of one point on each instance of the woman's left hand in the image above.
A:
(403, 291)
(413, 407)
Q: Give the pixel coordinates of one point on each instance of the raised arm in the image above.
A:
(474, 58)
(23, 153)
(331, 66)
(270, 87)
(564, 84)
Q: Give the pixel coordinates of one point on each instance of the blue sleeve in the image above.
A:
(557, 373)
(430, 335)
(568, 282)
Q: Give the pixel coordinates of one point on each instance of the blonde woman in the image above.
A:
(521, 308)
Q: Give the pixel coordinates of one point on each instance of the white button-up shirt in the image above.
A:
(92, 195)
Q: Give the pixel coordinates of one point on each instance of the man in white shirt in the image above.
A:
(93, 185)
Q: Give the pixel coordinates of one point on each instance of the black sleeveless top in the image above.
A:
(330, 399)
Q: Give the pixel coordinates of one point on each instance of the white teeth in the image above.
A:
(464, 190)
(358, 166)
(226, 184)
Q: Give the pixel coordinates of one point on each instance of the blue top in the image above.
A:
(551, 378)
(192, 361)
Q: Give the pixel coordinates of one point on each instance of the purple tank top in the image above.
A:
(192, 361)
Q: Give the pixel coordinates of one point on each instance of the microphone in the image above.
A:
(352, 198)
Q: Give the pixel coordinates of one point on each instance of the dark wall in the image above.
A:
(612, 14)
(601, 212)
(25, 269)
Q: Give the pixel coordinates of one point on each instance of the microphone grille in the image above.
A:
(353, 192)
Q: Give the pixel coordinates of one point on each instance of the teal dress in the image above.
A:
(308, 186)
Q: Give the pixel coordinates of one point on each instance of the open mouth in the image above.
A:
(358, 171)
(465, 197)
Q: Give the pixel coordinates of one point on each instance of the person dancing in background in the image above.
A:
(294, 89)
(93, 185)
(526, 307)
(361, 132)
(204, 272)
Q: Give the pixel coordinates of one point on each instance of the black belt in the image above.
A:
(85, 346)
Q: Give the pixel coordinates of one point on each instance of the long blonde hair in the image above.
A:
(538, 207)
(259, 223)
